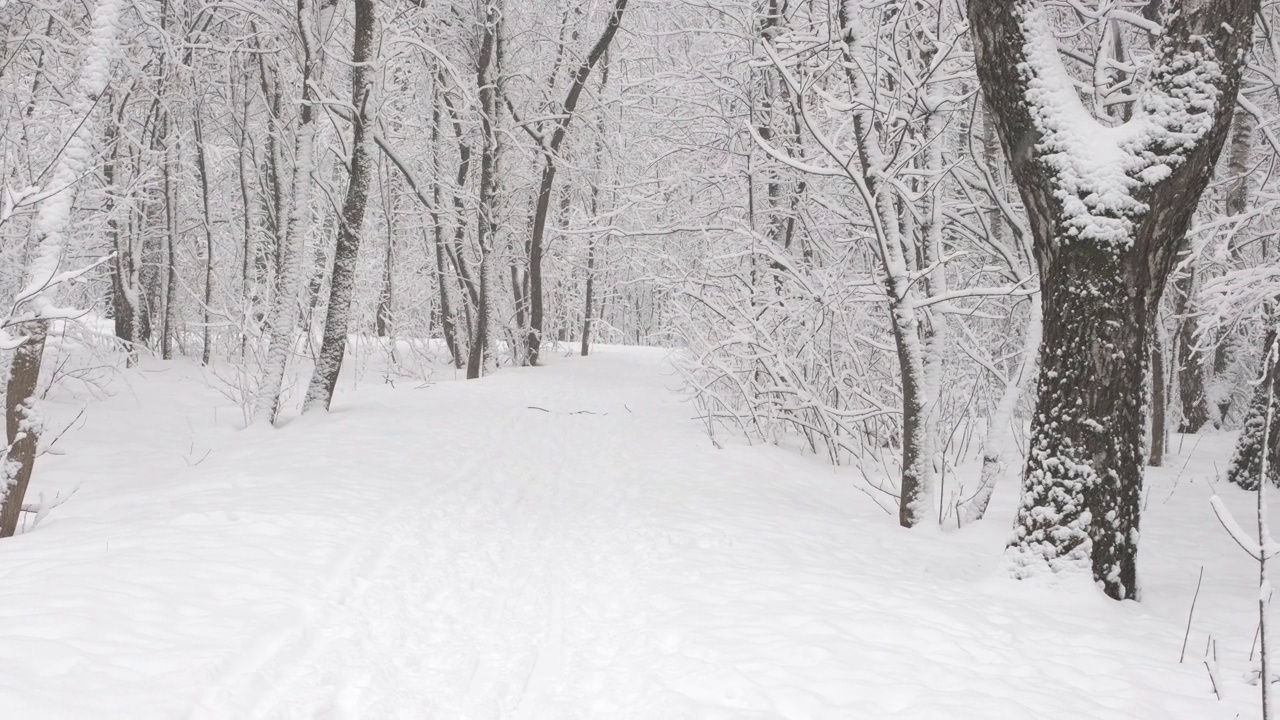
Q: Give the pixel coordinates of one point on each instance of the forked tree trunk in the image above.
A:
(284, 315)
(324, 378)
(893, 234)
(1104, 257)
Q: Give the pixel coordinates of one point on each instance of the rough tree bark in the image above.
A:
(324, 378)
(1106, 239)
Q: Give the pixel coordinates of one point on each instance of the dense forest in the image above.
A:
(948, 245)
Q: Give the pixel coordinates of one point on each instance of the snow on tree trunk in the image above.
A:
(34, 305)
(1255, 434)
(284, 315)
(1108, 207)
(1159, 401)
(533, 342)
(126, 312)
(324, 378)
(481, 360)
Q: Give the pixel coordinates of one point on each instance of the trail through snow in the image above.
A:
(558, 542)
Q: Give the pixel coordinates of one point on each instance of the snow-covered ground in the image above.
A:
(564, 542)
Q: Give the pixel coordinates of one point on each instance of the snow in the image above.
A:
(1099, 168)
(42, 274)
(564, 542)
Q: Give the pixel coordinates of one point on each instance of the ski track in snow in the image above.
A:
(454, 552)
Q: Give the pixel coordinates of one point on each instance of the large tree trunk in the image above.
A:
(1085, 459)
(1106, 240)
(324, 378)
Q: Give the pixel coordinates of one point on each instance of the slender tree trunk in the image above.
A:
(22, 427)
(329, 363)
(481, 358)
(382, 320)
(124, 273)
(589, 293)
(247, 283)
(169, 296)
(202, 168)
(284, 307)
(1159, 402)
(548, 178)
(995, 446)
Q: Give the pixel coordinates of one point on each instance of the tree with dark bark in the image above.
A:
(1108, 207)
(550, 146)
(350, 229)
(28, 323)
(313, 20)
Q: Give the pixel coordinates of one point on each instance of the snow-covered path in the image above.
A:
(559, 542)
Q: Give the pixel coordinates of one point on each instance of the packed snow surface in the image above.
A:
(564, 542)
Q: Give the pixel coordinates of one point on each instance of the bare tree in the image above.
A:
(550, 145)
